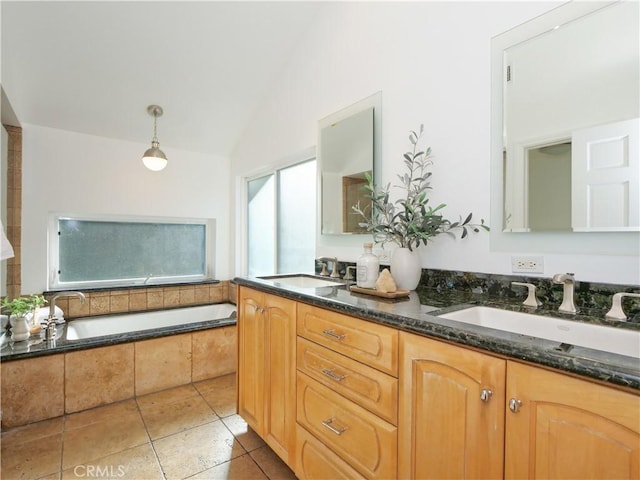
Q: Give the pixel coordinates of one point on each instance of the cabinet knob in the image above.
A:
(514, 405)
(485, 394)
(337, 430)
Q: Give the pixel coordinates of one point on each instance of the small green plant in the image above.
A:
(410, 220)
(22, 305)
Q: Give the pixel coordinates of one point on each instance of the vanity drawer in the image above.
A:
(369, 388)
(315, 461)
(363, 440)
(372, 344)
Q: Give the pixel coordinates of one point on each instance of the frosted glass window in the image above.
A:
(96, 252)
(297, 218)
(261, 225)
(281, 221)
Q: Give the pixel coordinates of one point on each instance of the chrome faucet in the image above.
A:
(334, 271)
(50, 328)
(568, 281)
(617, 312)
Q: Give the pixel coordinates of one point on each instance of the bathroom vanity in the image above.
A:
(342, 385)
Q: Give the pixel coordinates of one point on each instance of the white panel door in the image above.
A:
(605, 177)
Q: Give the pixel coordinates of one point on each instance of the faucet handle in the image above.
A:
(324, 272)
(348, 276)
(531, 300)
(617, 312)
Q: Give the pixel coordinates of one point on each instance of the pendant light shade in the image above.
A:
(154, 158)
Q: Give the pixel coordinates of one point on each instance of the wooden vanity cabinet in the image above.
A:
(348, 399)
(266, 368)
(451, 420)
(564, 427)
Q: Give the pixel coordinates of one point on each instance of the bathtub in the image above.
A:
(100, 326)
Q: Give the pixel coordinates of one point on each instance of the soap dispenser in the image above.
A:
(367, 268)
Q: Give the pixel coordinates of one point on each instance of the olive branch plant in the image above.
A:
(409, 221)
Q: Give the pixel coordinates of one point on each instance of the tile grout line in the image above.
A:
(153, 447)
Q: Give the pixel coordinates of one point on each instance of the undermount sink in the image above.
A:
(303, 281)
(598, 337)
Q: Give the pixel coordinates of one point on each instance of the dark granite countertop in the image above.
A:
(419, 314)
(36, 346)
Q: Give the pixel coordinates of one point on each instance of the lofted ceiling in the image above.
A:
(93, 67)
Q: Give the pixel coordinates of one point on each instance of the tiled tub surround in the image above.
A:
(440, 292)
(136, 299)
(41, 380)
(51, 385)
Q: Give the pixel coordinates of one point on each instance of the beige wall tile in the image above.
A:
(201, 294)
(99, 303)
(77, 308)
(32, 390)
(171, 297)
(98, 376)
(155, 298)
(162, 363)
(233, 293)
(214, 353)
(187, 295)
(119, 301)
(137, 300)
(216, 293)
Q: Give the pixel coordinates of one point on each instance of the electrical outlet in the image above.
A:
(527, 264)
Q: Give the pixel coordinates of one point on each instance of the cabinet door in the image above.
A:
(451, 419)
(565, 427)
(280, 376)
(251, 354)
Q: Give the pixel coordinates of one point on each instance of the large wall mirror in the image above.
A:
(566, 130)
(348, 149)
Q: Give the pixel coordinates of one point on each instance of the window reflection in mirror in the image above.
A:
(577, 81)
(346, 152)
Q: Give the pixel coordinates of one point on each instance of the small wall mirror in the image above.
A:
(571, 132)
(348, 146)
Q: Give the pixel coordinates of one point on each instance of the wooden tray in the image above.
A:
(376, 293)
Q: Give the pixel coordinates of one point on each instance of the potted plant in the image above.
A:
(409, 221)
(19, 309)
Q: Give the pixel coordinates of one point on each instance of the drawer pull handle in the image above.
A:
(333, 334)
(333, 376)
(336, 430)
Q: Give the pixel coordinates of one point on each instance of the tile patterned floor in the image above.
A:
(188, 432)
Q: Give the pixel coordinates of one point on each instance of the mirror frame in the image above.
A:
(373, 101)
(596, 243)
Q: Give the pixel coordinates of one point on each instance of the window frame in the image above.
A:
(304, 156)
(53, 257)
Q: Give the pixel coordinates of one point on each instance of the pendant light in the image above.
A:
(154, 158)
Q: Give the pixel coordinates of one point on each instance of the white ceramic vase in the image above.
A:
(19, 328)
(406, 268)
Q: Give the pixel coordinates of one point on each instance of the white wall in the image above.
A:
(431, 60)
(70, 172)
